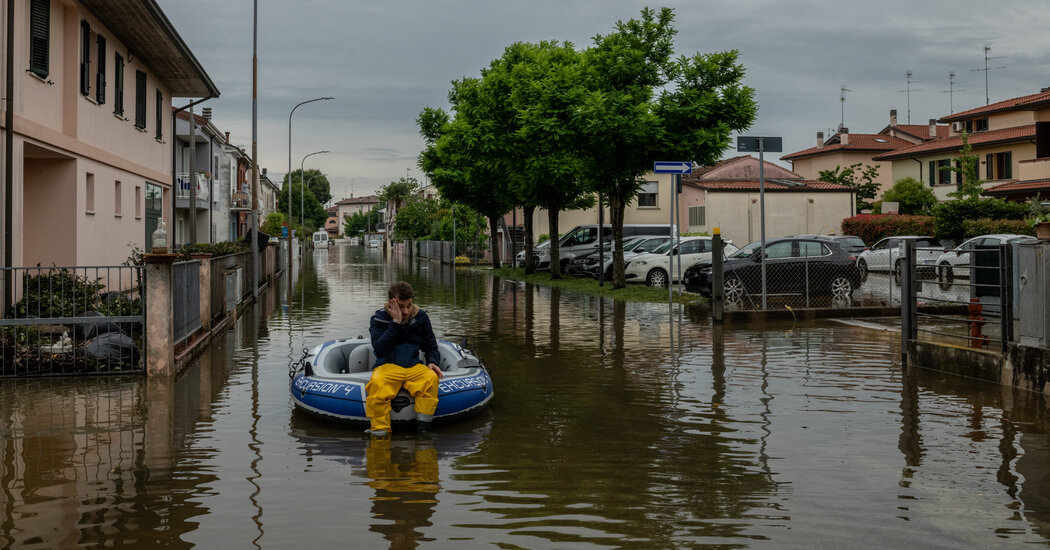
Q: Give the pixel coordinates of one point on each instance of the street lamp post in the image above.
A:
(302, 184)
(300, 104)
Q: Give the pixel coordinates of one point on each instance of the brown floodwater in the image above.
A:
(613, 426)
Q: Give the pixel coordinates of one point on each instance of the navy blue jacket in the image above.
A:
(400, 343)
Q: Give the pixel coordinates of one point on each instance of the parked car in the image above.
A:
(884, 255)
(850, 243)
(539, 250)
(578, 265)
(956, 262)
(583, 239)
(632, 248)
(374, 243)
(654, 269)
(794, 266)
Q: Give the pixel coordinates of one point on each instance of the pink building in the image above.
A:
(89, 129)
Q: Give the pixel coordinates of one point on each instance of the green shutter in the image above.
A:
(1008, 162)
(160, 114)
(100, 79)
(40, 37)
(933, 173)
(140, 100)
(118, 84)
(989, 167)
(85, 58)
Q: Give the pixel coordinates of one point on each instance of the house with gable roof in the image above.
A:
(844, 149)
(727, 195)
(1011, 138)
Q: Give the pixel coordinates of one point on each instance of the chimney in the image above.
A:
(844, 135)
(227, 137)
(264, 172)
(893, 117)
(820, 140)
(933, 128)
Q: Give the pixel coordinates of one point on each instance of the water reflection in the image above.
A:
(611, 426)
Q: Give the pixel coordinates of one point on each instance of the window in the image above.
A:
(812, 249)
(100, 77)
(89, 193)
(779, 250)
(998, 166)
(690, 247)
(647, 195)
(118, 85)
(160, 115)
(40, 37)
(85, 58)
(939, 172)
(697, 215)
(140, 100)
(118, 209)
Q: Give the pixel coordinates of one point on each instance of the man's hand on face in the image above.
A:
(394, 310)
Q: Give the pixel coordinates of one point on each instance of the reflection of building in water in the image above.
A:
(404, 474)
(1035, 485)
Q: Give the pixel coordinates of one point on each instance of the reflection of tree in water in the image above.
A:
(404, 474)
(310, 293)
(590, 437)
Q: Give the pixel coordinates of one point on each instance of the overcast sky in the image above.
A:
(384, 61)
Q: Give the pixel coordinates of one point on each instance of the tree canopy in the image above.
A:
(549, 125)
(861, 177)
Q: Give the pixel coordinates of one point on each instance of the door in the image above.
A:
(154, 209)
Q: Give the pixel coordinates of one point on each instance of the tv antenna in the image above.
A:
(951, 84)
(988, 48)
(842, 105)
(908, 92)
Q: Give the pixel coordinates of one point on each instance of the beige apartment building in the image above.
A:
(89, 126)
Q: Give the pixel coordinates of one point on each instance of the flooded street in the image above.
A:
(613, 426)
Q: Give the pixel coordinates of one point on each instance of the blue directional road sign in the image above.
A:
(665, 167)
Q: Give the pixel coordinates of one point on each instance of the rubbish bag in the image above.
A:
(112, 347)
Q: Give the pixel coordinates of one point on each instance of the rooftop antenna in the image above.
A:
(988, 48)
(951, 84)
(842, 105)
(908, 91)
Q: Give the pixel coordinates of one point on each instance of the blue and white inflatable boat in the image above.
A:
(329, 381)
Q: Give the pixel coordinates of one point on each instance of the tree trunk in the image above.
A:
(494, 241)
(552, 222)
(616, 208)
(530, 247)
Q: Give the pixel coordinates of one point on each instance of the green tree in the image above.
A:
(861, 177)
(360, 222)
(273, 223)
(315, 214)
(911, 196)
(415, 218)
(316, 182)
(701, 102)
(966, 166)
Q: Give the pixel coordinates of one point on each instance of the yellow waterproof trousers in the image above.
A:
(387, 379)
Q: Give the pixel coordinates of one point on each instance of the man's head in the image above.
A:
(402, 293)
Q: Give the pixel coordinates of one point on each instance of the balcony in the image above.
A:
(182, 190)
(240, 201)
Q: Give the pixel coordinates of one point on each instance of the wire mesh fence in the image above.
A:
(72, 320)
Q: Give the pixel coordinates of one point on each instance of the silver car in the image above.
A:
(956, 262)
(884, 255)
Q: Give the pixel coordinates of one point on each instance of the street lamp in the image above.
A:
(300, 104)
(302, 184)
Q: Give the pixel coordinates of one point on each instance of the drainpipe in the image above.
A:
(9, 155)
(920, 167)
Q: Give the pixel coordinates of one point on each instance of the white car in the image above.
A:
(956, 262)
(884, 255)
(538, 252)
(653, 268)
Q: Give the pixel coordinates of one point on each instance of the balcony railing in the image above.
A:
(240, 201)
(182, 187)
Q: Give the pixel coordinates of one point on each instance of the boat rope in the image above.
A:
(294, 366)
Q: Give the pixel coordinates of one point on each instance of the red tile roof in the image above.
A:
(857, 143)
(921, 131)
(359, 200)
(1016, 187)
(1025, 102)
(954, 143)
(771, 185)
(699, 172)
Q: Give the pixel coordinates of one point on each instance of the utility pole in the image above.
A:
(988, 48)
(951, 85)
(842, 106)
(908, 90)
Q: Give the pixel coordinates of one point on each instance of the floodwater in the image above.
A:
(613, 426)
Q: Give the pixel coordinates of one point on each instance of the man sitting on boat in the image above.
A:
(399, 332)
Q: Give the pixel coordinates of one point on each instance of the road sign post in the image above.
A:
(748, 144)
(676, 169)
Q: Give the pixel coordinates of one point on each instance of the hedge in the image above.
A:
(872, 227)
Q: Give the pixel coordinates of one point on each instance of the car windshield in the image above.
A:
(747, 250)
(662, 249)
(850, 242)
(632, 243)
(928, 243)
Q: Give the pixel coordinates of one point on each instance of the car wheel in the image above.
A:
(657, 278)
(734, 291)
(945, 276)
(897, 273)
(841, 286)
(863, 267)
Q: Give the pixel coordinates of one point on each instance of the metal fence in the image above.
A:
(971, 302)
(187, 299)
(73, 320)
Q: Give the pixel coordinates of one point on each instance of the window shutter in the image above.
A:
(160, 114)
(933, 173)
(40, 37)
(100, 81)
(1008, 165)
(140, 100)
(989, 167)
(958, 176)
(118, 85)
(85, 58)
